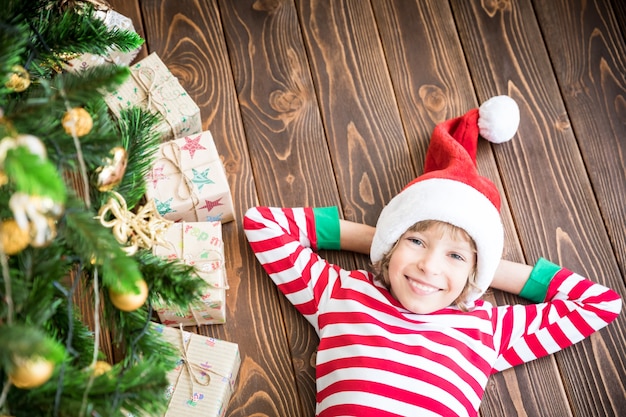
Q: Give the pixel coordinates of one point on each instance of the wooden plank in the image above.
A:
(286, 140)
(188, 36)
(433, 84)
(619, 11)
(549, 192)
(363, 126)
(591, 71)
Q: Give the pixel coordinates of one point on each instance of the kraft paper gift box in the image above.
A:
(152, 87)
(113, 20)
(204, 379)
(188, 181)
(199, 244)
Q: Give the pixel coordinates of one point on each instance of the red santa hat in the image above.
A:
(452, 191)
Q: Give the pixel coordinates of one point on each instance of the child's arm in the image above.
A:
(284, 241)
(511, 276)
(356, 237)
(569, 308)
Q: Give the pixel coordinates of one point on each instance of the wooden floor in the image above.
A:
(332, 103)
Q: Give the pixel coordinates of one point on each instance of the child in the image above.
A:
(414, 338)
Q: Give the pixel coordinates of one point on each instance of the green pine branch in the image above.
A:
(136, 123)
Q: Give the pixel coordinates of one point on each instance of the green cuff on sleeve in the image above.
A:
(536, 288)
(327, 227)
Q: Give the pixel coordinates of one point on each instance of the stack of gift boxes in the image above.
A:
(189, 187)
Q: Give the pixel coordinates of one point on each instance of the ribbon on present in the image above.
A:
(196, 371)
(211, 265)
(184, 189)
(143, 229)
(208, 265)
(146, 78)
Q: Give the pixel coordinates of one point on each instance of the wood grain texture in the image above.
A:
(188, 37)
(444, 74)
(357, 102)
(285, 137)
(591, 72)
(317, 102)
(547, 183)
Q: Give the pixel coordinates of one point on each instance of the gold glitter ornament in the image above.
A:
(14, 238)
(19, 80)
(130, 301)
(101, 367)
(31, 373)
(78, 121)
(112, 172)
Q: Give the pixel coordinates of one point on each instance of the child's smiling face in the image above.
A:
(429, 269)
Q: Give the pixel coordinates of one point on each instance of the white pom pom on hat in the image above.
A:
(451, 190)
(498, 119)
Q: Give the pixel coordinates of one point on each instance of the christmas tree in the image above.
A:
(73, 218)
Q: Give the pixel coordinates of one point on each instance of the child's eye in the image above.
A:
(416, 241)
(457, 257)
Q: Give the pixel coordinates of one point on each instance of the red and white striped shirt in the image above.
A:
(376, 358)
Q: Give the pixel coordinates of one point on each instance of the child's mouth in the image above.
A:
(421, 288)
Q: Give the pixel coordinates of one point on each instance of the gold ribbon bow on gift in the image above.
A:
(184, 190)
(198, 374)
(141, 230)
(146, 78)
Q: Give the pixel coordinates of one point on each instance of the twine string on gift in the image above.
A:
(141, 230)
(210, 265)
(170, 153)
(146, 78)
(201, 377)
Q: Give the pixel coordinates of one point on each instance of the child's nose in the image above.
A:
(430, 263)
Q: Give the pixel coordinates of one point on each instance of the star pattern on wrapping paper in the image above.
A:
(192, 145)
(211, 204)
(201, 178)
(156, 175)
(164, 207)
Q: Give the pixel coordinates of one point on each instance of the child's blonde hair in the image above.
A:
(381, 268)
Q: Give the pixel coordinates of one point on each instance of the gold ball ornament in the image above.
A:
(101, 367)
(14, 238)
(19, 80)
(130, 301)
(78, 121)
(112, 172)
(31, 373)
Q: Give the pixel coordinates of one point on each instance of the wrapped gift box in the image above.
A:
(199, 244)
(204, 380)
(188, 181)
(113, 20)
(152, 86)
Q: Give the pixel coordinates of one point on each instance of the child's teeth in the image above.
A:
(422, 287)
